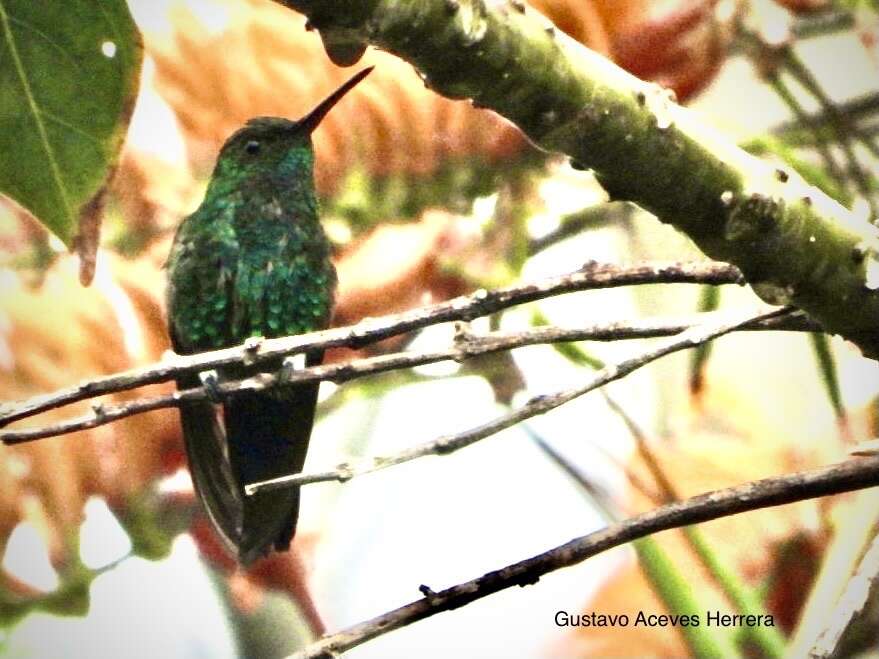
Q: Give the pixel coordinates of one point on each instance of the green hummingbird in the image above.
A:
(252, 260)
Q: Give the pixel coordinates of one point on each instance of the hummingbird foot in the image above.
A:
(290, 365)
(210, 381)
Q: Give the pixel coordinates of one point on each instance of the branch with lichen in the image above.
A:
(794, 244)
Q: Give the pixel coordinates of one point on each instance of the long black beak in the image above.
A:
(310, 121)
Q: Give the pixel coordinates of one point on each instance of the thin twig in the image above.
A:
(591, 217)
(851, 603)
(844, 477)
(480, 303)
(845, 129)
(854, 109)
(538, 405)
(466, 346)
(826, 22)
(784, 57)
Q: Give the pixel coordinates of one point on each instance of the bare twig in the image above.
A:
(784, 57)
(846, 130)
(859, 108)
(538, 405)
(834, 479)
(591, 217)
(854, 598)
(480, 303)
(466, 346)
(829, 21)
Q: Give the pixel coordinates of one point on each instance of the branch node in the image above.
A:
(527, 579)
(444, 445)
(251, 349)
(99, 411)
(463, 340)
(538, 400)
(428, 592)
(463, 331)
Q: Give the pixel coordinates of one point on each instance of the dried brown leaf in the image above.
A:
(58, 334)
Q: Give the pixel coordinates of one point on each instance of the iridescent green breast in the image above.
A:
(242, 269)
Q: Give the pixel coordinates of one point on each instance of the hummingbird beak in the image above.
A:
(310, 121)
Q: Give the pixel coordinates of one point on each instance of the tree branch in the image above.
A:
(480, 303)
(794, 243)
(466, 346)
(446, 444)
(844, 477)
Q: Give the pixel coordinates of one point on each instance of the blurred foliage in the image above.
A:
(404, 176)
(713, 450)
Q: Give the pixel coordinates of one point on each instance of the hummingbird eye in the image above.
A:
(252, 147)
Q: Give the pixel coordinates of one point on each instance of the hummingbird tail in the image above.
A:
(267, 437)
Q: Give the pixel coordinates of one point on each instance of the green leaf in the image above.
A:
(570, 351)
(676, 591)
(69, 73)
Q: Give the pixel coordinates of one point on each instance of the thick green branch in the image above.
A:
(793, 243)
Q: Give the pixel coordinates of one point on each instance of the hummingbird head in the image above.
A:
(275, 144)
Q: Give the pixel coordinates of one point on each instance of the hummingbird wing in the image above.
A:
(268, 435)
(208, 459)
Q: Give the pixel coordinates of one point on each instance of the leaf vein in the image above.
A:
(69, 126)
(45, 37)
(32, 103)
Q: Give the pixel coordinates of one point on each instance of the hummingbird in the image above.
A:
(252, 261)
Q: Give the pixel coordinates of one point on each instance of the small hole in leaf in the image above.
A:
(108, 48)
